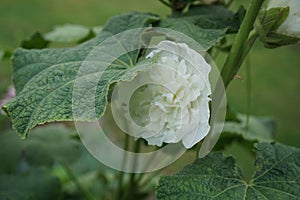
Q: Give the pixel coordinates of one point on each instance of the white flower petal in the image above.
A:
(179, 108)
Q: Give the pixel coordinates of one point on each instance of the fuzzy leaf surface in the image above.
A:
(44, 79)
(277, 176)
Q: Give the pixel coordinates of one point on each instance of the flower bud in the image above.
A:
(291, 26)
(280, 24)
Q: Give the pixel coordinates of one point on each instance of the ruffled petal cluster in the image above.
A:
(174, 105)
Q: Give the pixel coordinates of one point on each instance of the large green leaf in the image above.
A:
(277, 176)
(44, 79)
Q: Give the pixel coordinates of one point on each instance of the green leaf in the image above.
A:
(205, 24)
(241, 129)
(205, 37)
(36, 41)
(244, 157)
(213, 17)
(132, 20)
(277, 176)
(259, 129)
(44, 79)
(69, 33)
(274, 40)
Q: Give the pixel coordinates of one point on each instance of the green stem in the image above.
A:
(121, 176)
(141, 175)
(252, 38)
(144, 183)
(249, 88)
(84, 193)
(132, 181)
(236, 55)
(132, 175)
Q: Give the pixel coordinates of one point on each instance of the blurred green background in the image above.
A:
(275, 73)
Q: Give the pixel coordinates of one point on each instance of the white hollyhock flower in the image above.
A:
(291, 26)
(173, 104)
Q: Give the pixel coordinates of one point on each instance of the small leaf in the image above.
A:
(277, 176)
(275, 40)
(36, 41)
(69, 33)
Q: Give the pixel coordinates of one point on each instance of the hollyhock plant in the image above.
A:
(144, 91)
